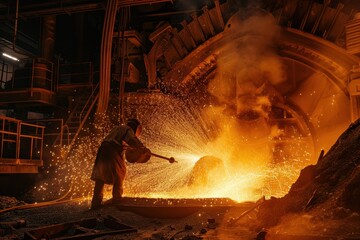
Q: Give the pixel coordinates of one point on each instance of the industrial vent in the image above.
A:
(352, 29)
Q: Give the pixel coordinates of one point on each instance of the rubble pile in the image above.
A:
(8, 202)
(328, 190)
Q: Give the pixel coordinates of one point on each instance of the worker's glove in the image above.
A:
(147, 152)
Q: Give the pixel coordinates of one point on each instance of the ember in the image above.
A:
(247, 173)
(257, 146)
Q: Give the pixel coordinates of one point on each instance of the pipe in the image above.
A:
(122, 79)
(105, 56)
(170, 159)
(16, 23)
(316, 24)
(16, 29)
(42, 204)
(339, 7)
(46, 203)
(305, 18)
(170, 13)
(48, 36)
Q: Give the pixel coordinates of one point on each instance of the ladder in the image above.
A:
(79, 114)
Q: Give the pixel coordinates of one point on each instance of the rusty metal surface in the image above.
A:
(175, 208)
(21, 146)
(84, 229)
(178, 202)
(33, 10)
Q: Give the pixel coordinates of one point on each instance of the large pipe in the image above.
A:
(105, 55)
(48, 36)
(126, 19)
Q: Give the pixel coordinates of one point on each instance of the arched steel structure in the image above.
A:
(311, 40)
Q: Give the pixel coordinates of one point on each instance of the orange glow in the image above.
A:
(231, 146)
(249, 170)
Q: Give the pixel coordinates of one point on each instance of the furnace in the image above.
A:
(241, 97)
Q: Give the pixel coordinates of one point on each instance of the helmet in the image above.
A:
(133, 123)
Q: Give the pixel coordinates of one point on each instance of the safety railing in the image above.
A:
(56, 131)
(85, 111)
(37, 73)
(83, 116)
(89, 103)
(20, 140)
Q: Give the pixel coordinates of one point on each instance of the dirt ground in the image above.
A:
(323, 204)
(201, 223)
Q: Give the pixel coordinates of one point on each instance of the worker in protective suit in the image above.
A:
(110, 167)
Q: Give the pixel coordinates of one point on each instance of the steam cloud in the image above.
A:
(248, 67)
(248, 71)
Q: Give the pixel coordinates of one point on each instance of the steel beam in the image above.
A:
(45, 8)
(339, 7)
(319, 18)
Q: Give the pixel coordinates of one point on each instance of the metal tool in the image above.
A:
(170, 159)
(259, 202)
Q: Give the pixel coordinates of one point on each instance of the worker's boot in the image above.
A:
(98, 195)
(95, 204)
(117, 191)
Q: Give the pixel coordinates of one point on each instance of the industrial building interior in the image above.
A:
(258, 101)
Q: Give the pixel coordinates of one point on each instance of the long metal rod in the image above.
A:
(16, 23)
(339, 7)
(31, 148)
(42, 144)
(30, 12)
(122, 79)
(2, 138)
(160, 156)
(257, 204)
(320, 16)
(2, 73)
(170, 13)
(305, 18)
(105, 56)
(170, 159)
(18, 141)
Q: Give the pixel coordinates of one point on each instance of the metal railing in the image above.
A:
(85, 111)
(84, 114)
(89, 103)
(20, 140)
(55, 130)
(37, 73)
(40, 74)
